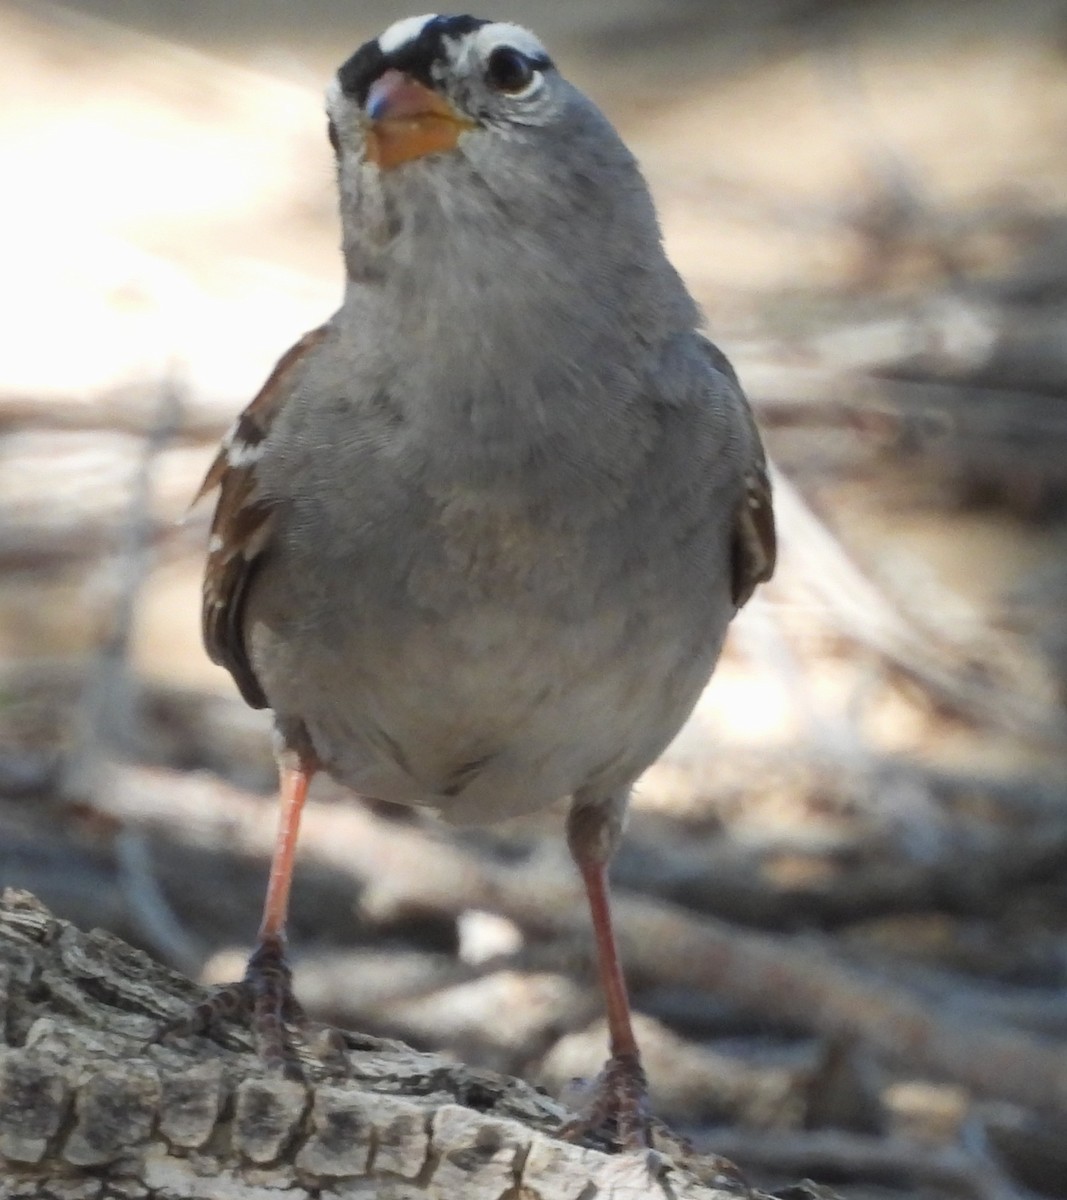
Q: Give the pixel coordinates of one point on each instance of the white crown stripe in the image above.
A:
(401, 32)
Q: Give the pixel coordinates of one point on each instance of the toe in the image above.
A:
(263, 1001)
(616, 1107)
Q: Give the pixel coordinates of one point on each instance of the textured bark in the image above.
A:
(92, 1105)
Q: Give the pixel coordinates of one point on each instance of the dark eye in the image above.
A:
(335, 141)
(508, 71)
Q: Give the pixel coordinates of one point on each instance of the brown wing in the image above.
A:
(755, 543)
(243, 522)
(754, 548)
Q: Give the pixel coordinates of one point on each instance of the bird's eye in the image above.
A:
(507, 70)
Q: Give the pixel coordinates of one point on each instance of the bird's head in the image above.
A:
(446, 123)
(434, 84)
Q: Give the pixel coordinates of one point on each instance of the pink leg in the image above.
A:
(265, 996)
(620, 1096)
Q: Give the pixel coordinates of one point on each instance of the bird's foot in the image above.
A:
(263, 1000)
(615, 1106)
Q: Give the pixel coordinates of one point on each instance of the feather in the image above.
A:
(243, 522)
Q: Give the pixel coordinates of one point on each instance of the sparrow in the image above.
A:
(479, 537)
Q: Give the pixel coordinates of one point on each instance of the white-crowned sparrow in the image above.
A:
(479, 537)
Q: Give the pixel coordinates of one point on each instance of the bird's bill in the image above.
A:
(408, 120)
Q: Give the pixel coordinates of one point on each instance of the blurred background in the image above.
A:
(870, 201)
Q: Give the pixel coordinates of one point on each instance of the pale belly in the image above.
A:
(496, 710)
(485, 656)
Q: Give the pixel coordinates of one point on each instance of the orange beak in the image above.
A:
(408, 120)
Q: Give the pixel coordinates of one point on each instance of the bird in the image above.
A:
(479, 537)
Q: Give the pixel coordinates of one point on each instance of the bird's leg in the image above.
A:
(268, 977)
(264, 997)
(619, 1097)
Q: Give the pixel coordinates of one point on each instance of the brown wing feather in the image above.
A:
(242, 524)
(755, 544)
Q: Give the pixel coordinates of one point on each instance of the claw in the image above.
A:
(616, 1107)
(263, 1000)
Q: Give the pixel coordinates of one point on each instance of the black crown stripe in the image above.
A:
(415, 58)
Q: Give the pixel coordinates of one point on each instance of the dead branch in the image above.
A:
(971, 870)
(66, 494)
(87, 1095)
(109, 712)
(815, 560)
(799, 982)
(892, 1162)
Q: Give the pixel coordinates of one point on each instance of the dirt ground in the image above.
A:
(869, 200)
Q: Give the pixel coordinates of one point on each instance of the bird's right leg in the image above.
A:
(264, 997)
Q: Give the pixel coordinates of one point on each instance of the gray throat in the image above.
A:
(498, 311)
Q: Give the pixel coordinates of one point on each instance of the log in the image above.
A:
(802, 983)
(90, 1099)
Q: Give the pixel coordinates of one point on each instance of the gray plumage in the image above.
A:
(480, 537)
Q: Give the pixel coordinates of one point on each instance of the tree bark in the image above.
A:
(92, 1104)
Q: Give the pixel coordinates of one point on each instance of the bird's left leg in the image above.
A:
(619, 1098)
